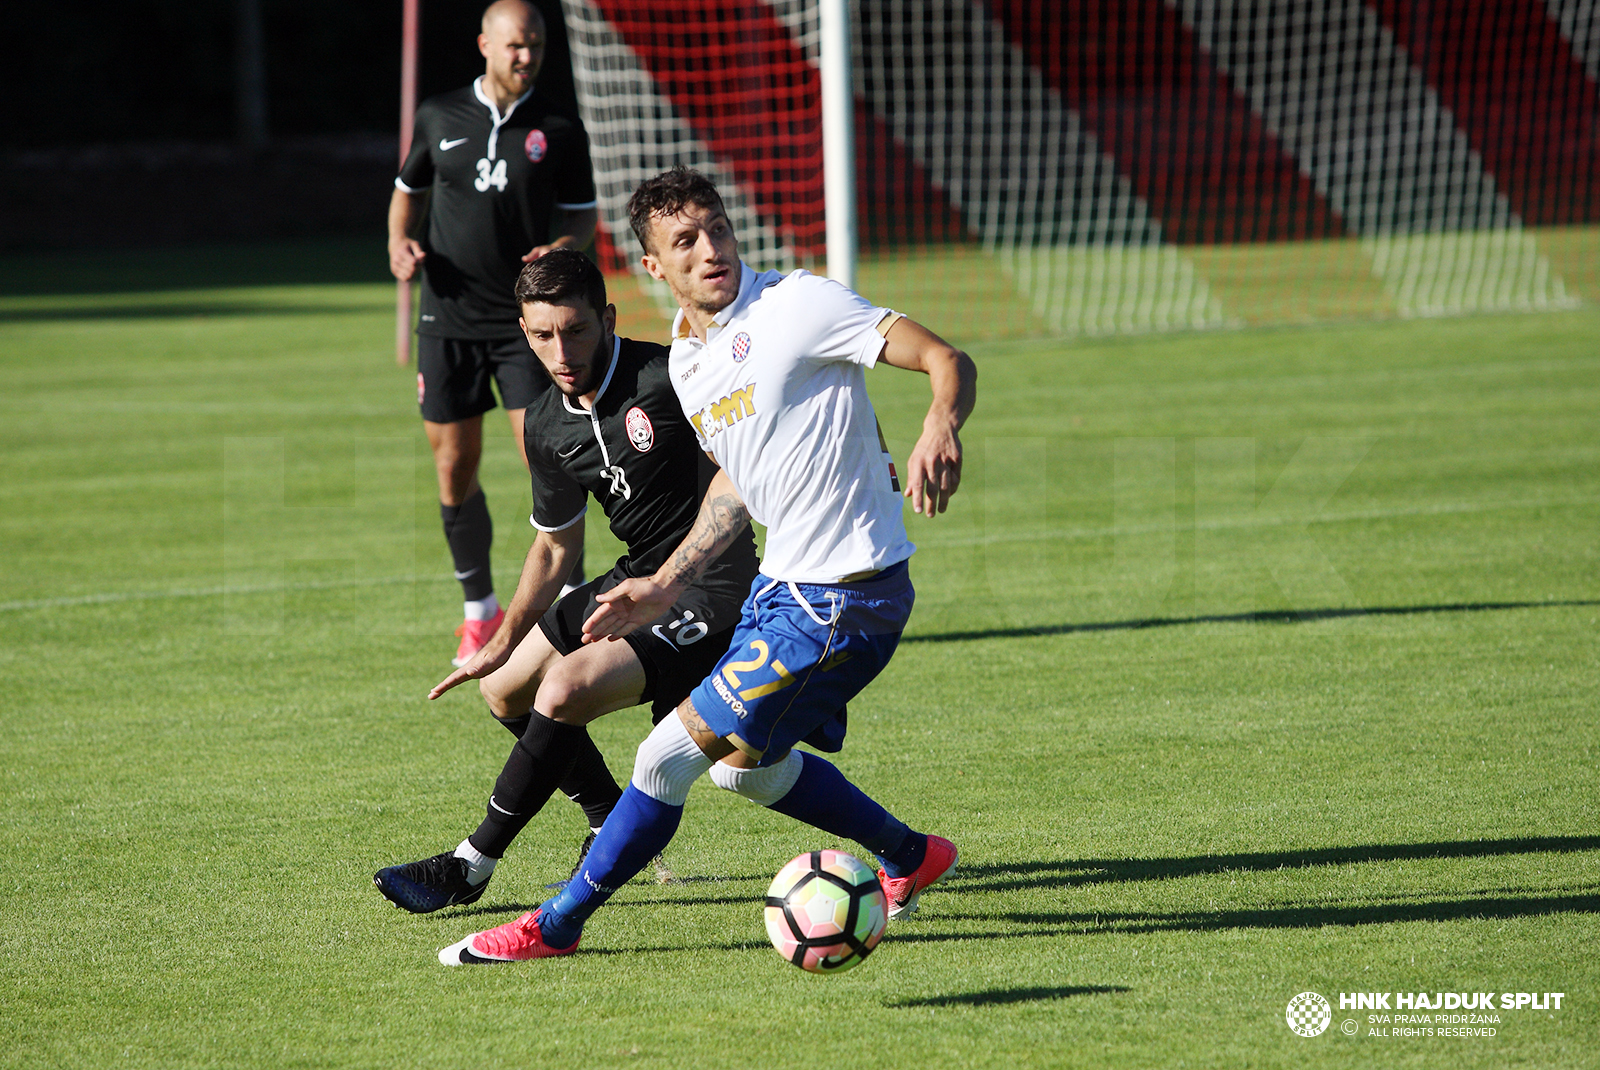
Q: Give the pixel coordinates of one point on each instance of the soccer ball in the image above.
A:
(826, 911)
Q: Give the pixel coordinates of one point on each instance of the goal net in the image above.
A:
(1099, 166)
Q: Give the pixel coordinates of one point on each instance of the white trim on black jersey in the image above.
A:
(594, 421)
(499, 120)
(581, 514)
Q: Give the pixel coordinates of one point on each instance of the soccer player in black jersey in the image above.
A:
(614, 428)
(503, 180)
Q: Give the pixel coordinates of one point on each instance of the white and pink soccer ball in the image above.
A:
(826, 911)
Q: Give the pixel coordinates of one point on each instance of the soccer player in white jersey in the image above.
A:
(770, 370)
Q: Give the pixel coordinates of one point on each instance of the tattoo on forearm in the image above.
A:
(720, 521)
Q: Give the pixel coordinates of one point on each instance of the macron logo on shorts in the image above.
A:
(727, 696)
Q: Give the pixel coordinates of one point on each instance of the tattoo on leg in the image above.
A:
(693, 721)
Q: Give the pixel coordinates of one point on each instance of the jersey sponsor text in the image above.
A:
(724, 412)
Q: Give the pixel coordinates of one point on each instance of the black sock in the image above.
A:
(576, 578)
(539, 762)
(517, 726)
(470, 532)
(590, 784)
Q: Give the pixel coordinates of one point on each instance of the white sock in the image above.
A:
(764, 786)
(482, 609)
(479, 865)
(668, 762)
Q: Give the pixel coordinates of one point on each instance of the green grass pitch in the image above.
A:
(1245, 664)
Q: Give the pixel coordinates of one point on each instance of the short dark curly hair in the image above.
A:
(559, 275)
(666, 194)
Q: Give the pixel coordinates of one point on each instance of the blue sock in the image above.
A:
(904, 860)
(822, 797)
(638, 828)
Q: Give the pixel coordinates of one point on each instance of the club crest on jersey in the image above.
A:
(536, 145)
(741, 346)
(640, 434)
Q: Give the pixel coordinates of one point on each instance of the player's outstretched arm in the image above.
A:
(405, 252)
(632, 604)
(574, 230)
(549, 561)
(933, 471)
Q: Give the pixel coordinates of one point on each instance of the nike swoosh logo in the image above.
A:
(502, 809)
(446, 145)
(469, 572)
(570, 452)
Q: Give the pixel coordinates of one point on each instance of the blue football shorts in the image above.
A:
(800, 652)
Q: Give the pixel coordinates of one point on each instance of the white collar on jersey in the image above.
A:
(747, 291)
(499, 120)
(579, 410)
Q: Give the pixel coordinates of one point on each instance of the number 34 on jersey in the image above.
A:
(490, 173)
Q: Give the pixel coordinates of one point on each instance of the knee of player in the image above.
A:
(765, 785)
(498, 699)
(452, 460)
(564, 698)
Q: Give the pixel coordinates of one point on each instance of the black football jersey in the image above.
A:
(638, 455)
(494, 182)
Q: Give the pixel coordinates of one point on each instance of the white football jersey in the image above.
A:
(777, 394)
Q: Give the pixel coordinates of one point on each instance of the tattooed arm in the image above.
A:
(634, 603)
(722, 518)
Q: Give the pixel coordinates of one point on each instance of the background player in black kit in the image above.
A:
(612, 428)
(503, 180)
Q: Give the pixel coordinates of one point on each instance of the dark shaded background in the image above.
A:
(119, 128)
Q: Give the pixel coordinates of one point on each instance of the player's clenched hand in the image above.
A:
(933, 471)
(628, 606)
(404, 256)
(489, 657)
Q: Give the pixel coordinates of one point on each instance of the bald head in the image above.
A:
(518, 11)
(512, 44)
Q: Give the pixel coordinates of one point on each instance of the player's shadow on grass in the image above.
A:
(1265, 616)
(1070, 873)
(1500, 908)
(993, 996)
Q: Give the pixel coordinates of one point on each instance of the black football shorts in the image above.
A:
(678, 650)
(453, 376)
